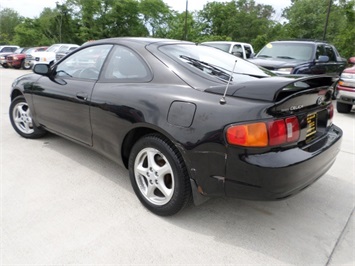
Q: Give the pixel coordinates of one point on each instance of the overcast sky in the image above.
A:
(33, 8)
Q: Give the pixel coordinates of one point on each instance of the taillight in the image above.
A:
(293, 129)
(263, 134)
(277, 132)
(250, 135)
(330, 114)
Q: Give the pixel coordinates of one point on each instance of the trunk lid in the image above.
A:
(307, 98)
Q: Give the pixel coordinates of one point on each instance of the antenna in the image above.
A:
(223, 99)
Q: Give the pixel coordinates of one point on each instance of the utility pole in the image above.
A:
(61, 21)
(187, 4)
(326, 21)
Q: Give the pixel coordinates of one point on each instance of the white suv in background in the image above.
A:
(240, 49)
(49, 56)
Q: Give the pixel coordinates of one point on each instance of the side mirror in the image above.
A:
(351, 60)
(41, 69)
(252, 55)
(323, 59)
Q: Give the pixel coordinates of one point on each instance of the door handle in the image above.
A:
(82, 96)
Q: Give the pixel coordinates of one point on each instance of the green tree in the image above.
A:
(307, 22)
(99, 19)
(9, 19)
(345, 39)
(156, 15)
(29, 33)
(240, 20)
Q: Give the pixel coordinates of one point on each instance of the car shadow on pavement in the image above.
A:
(304, 228)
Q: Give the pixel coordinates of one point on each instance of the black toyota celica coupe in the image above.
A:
(188, 121)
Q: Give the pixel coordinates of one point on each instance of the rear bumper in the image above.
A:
(277, 175)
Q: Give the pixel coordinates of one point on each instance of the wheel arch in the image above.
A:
(15, 93)
(136, 133)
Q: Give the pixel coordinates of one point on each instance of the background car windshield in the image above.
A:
(53, 48)
(298, 51)
(18, 50)
(243, 71)
(30, 50)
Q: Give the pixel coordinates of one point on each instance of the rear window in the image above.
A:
(207, 60)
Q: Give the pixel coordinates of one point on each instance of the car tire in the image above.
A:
(22, 64)
(5, 65)
(159, 176)
(21, 119)
(26, 66)
(344, 107)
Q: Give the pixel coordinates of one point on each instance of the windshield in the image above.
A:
(214, 62)
(297, 51)
(18, 50)
(30, 50)
(53, 48)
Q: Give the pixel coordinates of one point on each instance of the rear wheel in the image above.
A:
(21, 119)
(344, 107)
(159, 176)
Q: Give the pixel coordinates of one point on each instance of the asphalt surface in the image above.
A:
(62, 203)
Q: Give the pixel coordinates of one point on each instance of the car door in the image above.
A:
(318, 67)
(116, 103)
(62, 101)
(334, 67)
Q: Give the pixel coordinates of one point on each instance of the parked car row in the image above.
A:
(301, 57)
(26, 57)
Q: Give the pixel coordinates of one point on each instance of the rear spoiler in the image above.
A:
(273, 89)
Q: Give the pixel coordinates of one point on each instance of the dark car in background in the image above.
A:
(345, 89)
(187, 120)
(301, 57)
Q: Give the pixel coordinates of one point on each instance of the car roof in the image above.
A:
(227, 42)
(300, 41)
(142, 40)
(1, 46)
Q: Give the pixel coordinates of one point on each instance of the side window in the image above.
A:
(237, 50)
(124, 65)
(9, 49)
(85, 64)
(330, 52)
(320, 51)
(247, 51)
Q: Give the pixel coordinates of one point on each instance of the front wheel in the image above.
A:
(21, 119)
(26, 66)
(159, 176)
